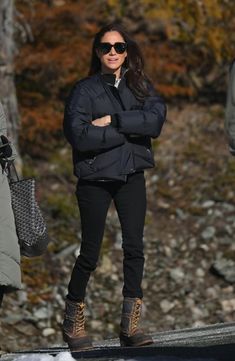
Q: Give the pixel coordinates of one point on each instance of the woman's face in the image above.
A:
(113, 60)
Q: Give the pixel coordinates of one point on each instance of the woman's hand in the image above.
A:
(102, 122)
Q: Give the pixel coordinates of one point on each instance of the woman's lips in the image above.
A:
(112, 60)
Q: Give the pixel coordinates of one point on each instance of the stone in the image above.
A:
(48, 332)
(42, 313)
(200, 273)
(166, 306)
(96, 325)
(225, 268)
(213, 292)
(228, 305)
(208, 233)
(177, 274)
(181, 214)
(208, 204)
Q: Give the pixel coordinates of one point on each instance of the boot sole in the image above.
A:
(138, 344)
(77, 345)
(85, 348)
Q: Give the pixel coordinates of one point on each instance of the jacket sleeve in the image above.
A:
(147, 121)
(230, 110)
(78, 129)
(3, 131)
(3, 125)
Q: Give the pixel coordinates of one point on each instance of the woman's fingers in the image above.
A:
(103, 121)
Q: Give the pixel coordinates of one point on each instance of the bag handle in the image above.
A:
(12, 172)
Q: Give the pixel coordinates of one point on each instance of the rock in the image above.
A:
(229, 229)
(204, 247)
(181, 214)
(163, 204)
(22, 297)
(145, 284)
(166, 306)
(96, 325)
(42, 313)
(225, 268)
(168, 251)
(173, 243)
(199, 323)
(218, 213)
(198, 313)
(208, 204)
(226, 241)
(213, 292)
(59, 318)
(118, 241)
(228, 207)
(192, 243)
(48, 332)
(106, 265)
(114, 277)
(190, 303)
(66, 251)
(228, 290)
(59, 299)
(177, 275)
(154, 178)
(208, 233)
(12, 318)
(42, 325)
(200, 273)
(110, 327)
(77, 252)
(170, 319)
(228, 305)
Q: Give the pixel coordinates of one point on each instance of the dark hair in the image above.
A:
(136, 78)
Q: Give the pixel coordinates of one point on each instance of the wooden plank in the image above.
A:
(217, 340)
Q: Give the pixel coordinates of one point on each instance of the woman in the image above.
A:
(10, 274)
(109, 119)
(230, 109)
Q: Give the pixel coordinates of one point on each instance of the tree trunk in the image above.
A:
(7, 86)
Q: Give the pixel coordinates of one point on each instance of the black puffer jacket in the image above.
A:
(111, 152)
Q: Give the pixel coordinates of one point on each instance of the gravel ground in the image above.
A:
(189, 275)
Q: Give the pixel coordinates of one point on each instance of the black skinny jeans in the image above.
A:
(94, 199)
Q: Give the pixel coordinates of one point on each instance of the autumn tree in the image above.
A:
(187, 46)
(198, 37)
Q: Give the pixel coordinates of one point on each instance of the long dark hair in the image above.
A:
(136, 78)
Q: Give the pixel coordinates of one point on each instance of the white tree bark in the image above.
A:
(7, 85)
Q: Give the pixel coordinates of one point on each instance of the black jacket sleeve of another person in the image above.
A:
(78, 129)
(147, 121)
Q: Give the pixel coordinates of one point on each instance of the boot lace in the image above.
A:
(80, 318)
(136, 315)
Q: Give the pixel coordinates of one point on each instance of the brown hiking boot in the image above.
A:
(130, 334)
(74, 326)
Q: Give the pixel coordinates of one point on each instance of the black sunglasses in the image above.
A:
(105, 48)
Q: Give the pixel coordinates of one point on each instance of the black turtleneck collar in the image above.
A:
(111, 78)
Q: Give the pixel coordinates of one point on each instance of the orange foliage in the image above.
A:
(181, 41)
(176, 90)
(45, 118)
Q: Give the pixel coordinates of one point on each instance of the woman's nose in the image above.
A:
(112, 51)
